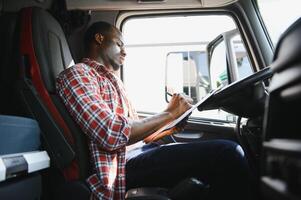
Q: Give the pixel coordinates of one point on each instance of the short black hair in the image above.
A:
(101, 27)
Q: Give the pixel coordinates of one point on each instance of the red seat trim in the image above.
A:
(26, 48)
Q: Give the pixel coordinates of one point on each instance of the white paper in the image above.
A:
(176, 121)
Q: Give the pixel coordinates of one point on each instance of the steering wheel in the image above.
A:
(244, 97)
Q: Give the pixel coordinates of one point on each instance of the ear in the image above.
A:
(98, 38)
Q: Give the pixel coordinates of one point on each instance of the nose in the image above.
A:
(123, 53)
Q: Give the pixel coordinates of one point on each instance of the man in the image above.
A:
(96, 99)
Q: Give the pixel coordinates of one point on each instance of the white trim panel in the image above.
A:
(134, 5)
(37, 161)
(2, 171)
(28, 161)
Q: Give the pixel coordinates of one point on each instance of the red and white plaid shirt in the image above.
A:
(97, 101)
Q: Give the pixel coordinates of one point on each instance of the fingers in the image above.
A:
(183, 101)
(190, 100)
(178, 105)
(186, 100)
(183, 97)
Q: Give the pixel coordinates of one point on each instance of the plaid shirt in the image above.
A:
(97, 101)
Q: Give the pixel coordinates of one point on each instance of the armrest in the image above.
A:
(12, 165)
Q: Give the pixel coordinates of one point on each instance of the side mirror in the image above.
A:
(187, 72)
(217, 59)
(227, 58)
(196, 73)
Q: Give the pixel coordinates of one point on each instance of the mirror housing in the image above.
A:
(187, 72)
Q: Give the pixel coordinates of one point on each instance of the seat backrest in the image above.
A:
(44, 53)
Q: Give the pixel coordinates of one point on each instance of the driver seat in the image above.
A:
(44, 53)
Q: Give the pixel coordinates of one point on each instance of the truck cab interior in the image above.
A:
(224, 51)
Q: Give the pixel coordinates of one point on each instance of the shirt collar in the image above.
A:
(96, 65)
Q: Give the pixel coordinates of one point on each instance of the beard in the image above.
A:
(116, 66)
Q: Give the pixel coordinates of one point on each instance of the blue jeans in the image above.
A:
(219, 163)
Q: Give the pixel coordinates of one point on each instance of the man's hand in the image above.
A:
(178, 104)
(143, 129)
(181, 125)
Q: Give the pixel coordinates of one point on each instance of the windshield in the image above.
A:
(278, 15)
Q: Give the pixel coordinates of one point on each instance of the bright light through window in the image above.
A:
(148, 41)
(152, 43)
(175, 29)
(278, 15)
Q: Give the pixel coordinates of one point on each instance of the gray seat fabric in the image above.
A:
(18, 134)
(53, 56)
(51, 48)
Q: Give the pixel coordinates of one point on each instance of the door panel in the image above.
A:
(201, 129)
(206, 130)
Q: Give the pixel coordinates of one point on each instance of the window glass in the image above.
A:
(242, 60)
(172, 49)
(218, 69)
(278, 15)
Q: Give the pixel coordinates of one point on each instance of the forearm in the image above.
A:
(143, 128)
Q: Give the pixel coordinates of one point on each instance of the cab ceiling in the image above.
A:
(16, 5)
(134, 5)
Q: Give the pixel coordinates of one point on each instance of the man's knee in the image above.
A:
(231, 153)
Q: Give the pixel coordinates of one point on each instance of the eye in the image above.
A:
(119, 43)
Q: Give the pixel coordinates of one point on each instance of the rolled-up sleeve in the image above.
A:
(80, 91)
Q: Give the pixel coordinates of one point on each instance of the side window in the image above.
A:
(168, 54)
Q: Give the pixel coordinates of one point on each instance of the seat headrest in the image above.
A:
(288, 48)
(51, 49)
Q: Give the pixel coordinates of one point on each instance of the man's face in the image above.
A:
(114, 52)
